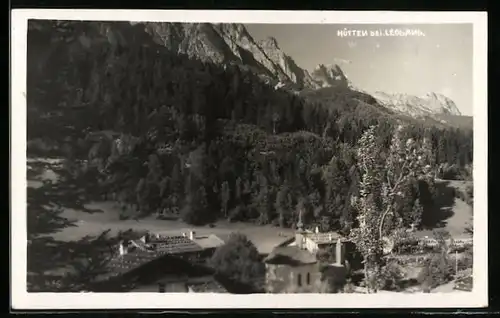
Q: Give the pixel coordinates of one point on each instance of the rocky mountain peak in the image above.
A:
(230, 43)
(325, 75)
(270, 43)
(430, 104)
(233, 31)
(221, 43)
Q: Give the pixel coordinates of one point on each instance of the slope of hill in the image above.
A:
(233, 44)
(229, 43)
(463, 122)
(160, 131)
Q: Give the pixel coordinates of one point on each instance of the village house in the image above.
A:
(162, 263)
(295, 265)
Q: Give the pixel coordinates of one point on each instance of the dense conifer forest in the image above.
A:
(164, 133)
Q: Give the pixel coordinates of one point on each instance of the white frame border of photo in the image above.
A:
(21, 299)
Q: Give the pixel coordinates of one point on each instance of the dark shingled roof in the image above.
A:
(122, 264)
(154, 249)
(174, 245)
(290, 255)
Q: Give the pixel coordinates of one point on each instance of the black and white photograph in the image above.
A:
(257, 160)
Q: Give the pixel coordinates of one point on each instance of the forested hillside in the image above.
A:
(162, 132)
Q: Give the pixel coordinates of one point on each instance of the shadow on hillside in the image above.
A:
(438, 208)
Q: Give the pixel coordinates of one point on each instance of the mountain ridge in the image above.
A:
(430, 103)
(233, 44)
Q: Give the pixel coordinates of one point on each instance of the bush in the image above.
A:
(409, 260)
(466, 262)
(464, 284)
(391, 276)
(467, 196)
(438, 270)
(348, 287)
(407, 246)
(239, 261)
(450, 172)
(469, 191)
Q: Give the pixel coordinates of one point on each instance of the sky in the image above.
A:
(439, 59)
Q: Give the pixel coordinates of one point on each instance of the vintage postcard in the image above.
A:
(239, 159)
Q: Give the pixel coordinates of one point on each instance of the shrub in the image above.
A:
(348, 287)
(464, 284)
(438, 270)
(469, 191)
(324, 286)
(407, 246)
(391, 276)
(450, 172)
(466, 262)
(239, 261)
(467, 196)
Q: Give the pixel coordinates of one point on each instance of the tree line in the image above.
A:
(164, 133)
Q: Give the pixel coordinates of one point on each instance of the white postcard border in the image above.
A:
(23, 300)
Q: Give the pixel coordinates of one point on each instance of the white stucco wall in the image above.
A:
(285, 278)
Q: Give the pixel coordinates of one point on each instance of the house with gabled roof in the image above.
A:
(295, 265)
(159, 263)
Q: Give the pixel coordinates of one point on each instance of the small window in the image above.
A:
(161, 287)
(308, 278)
(299, 280)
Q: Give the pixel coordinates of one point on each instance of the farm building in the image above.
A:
(156, 263)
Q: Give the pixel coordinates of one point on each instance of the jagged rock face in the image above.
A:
(329, 76)
(418, 106)
(293, 72)
(231, 43)
(250, 52)
(227, 43)
(216, 43)
(194, 39)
